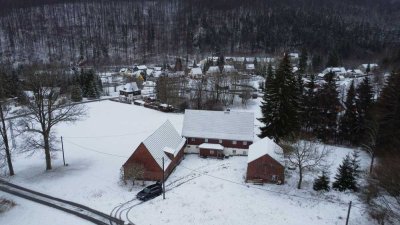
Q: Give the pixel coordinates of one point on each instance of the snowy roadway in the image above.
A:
(81, 211)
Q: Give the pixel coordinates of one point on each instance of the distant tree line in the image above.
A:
(119, 31)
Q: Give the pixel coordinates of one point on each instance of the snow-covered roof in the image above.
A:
(142, 67)
(213, 69)
(165, 136)
(229, 68)
(212, 146)
(140, 102)
(130, 87)
(371, 65)
(196, 71)
(222, 125)
(335, 70)
(175, 151)
(263, 147)
(157, 68)
(157, 73)
(29, 94)
(149, 72)
(358, 71)
(250, 66)
(149, 84)
(294, 55)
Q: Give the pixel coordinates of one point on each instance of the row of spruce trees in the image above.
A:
(346, 177)
(289, 107)
(367, 118)
(86, 84)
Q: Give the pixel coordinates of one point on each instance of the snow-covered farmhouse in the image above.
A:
(196, 72)
(165, 143)
(265, 162)
(218, 133)
(130, 89)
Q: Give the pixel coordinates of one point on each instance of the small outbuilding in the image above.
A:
(265, 163)
(163, 148)
(211, 150)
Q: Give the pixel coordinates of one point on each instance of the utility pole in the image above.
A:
(62, 148)
(348, 214)
(163, 178)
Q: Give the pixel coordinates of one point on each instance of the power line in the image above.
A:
(94, 150)
(227, 180)
(267, 190)
(106, 136)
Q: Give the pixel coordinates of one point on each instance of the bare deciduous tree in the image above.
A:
(306, 156)
(45, 111)
(383, 193)
(369, 145)
(134, 172)
(4, 111)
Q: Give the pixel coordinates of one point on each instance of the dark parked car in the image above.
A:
(150, 192)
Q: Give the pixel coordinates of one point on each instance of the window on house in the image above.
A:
(220, 141)
(234, 152)
(193, 139)
(234, 142)
(211, 152)
(244, 142)
(206, 140)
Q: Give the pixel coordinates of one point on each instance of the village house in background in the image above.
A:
(265, 162)
(146, 162)
(218, 133)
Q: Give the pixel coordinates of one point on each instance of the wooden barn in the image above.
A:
(146, 162)
(234, 131)
(265, 163)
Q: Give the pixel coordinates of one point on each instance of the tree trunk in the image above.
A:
(47, 151)
(6, 144)
(372, 163)
(300, 178)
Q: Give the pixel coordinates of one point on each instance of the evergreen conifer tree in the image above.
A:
(303, 61)
(76, 93)
(355, 164)
(300, 100)
(348, 122)
(280, 104)
(368, 69)
(389, 114)
(333, 59)
(321, 183)
(328, 103)
(364, 102)
(221, 63)
(311, 112)
(344, 179)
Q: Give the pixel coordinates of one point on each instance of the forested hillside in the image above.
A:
(118, 31)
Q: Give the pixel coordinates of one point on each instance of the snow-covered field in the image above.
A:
(200, 191)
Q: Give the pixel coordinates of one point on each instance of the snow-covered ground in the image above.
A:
(201, 191)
